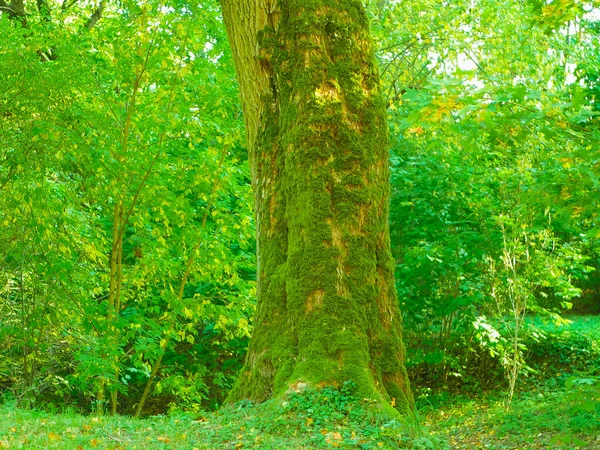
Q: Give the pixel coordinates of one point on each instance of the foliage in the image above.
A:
(127, 224)
(539, 418)
(494, 205)
(558, 407)
(572, 347)
(327, 418)
(127, 246)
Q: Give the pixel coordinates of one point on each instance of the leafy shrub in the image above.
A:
(322, 418)
(560, 350)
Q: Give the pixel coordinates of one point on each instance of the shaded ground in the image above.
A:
(562, 418)
(561, 412)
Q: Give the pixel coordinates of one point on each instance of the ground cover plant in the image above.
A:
(326, 418)
(545, 417)
(561, 411)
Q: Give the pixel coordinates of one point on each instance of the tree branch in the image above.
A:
(96, 16)
(66, 5)
(16, 8)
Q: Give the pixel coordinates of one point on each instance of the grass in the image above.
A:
(566, 417)
(312, 419)
(561, 412)
(586, 326)
(558, 407)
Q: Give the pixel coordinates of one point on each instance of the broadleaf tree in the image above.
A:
(315, 119)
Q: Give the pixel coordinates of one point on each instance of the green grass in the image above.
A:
(561, 412)
(558, 407)
(564, 349)
(587, 326)
(562, 418)
(325, 418)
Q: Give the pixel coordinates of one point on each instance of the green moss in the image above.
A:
(321, 181)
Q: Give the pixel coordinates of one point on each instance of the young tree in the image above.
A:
(317, 139)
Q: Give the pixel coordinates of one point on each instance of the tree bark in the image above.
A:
(15, 9)
(327, 310)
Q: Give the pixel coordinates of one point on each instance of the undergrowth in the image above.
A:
(557, 407)
(310, 419)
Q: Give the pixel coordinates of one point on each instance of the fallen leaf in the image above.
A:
(53, 436)
(333, 438)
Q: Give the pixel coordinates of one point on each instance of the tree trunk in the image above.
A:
(327, 310)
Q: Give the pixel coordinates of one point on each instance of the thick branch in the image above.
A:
(96, 16)
(16, 9)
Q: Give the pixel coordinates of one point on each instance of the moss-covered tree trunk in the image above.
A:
(317, 137)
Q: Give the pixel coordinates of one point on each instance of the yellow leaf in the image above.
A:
(415, 130)
(566, 162)
(333, 438)
(53, 436)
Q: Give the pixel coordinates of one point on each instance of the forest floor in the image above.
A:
(560, 412)
(540, 419)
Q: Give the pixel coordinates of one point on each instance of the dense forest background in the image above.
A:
(127, 251)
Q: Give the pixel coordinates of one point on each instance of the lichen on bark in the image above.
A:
(327, 310)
